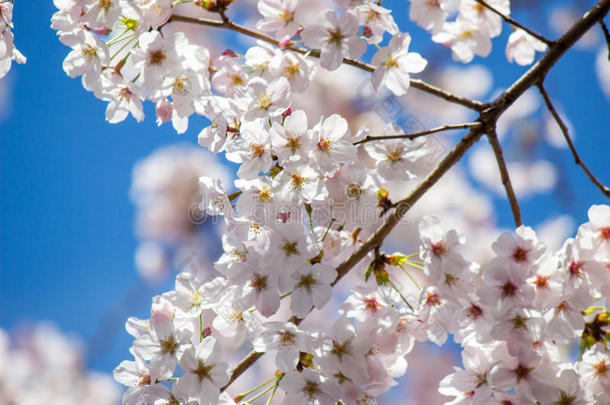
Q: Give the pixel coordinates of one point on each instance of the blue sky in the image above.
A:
(66, 223)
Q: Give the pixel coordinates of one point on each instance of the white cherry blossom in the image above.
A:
(205, 373)
(394, 63)
(336, 37)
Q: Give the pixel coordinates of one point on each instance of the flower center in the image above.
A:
(264, 100)
(566, 399)
(324, 144)
(203, 372)
(395, 154)
(286, 339)
(391, 62)
(297, 181)
(289, 248)
(236, 80)
(240, 255)
(601, 368)
(541, 281)
(311, 390)
(520, 255)
(451, 280)
(439, 248)
(335, 36)
(341, 348)
(105, 4)
(237, 316)
(156, 57)
(169, 345)
(90, 53)
(433, 299)
(575, 269)
(354, 191)
(509, 289)
(294, 143)
(474, 311)
(125, 94)
(371, 304)
(286, 16)
(257, 150)
(307, 282)
(563, 307)
(264, 195)
(258, 282)
(522, 372)
(180, 85)
(292, 70)
(519, 323)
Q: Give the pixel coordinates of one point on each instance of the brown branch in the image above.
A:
(515, 23)
(566, 135)
(418, 84)
(418, 134)
(492, 137)
(488, 117)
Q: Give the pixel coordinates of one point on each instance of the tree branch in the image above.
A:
(515, 23)
(508, 186)
(566, 135)
(488, 117)
(418, 84)
(418, 134)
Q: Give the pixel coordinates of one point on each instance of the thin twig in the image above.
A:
(566, 135)
(418, 84)
(488, 117)
(418, 134)
(606, 34)
(508, 186)
(515, 23)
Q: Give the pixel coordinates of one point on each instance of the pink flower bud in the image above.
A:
(367, 31)
(103, 32)
(284, 43)
(229, 52)
(164, 111)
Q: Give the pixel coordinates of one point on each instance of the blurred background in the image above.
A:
(94, 217)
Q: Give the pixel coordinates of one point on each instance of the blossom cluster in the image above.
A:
(475, 24)
(123, 56)
(42, 366)
(513, 316)
(8, 52)
(516, 316)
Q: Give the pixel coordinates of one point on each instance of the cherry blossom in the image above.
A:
(336, 38)
(205, 374)
(521, 47)
(8, 52)
(314, 201)
(280, 16)
(394, 63)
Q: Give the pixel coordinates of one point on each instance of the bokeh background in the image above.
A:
(67, 237)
